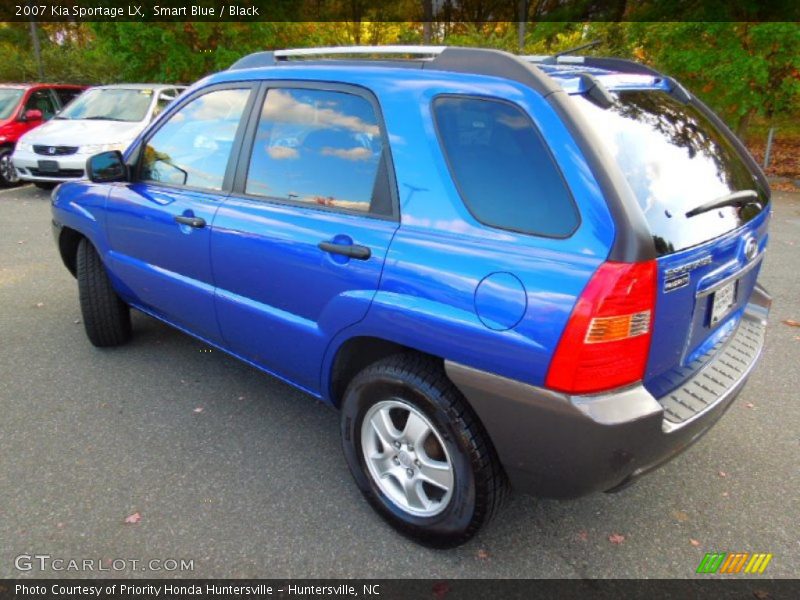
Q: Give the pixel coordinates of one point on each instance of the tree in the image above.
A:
(740, 69)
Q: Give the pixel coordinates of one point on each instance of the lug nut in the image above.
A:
(410, 472)
(396, 460)
(410, 447)
(416, 462)
(397, 444)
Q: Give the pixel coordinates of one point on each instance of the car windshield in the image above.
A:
(675, 159)
(110, 104)
(9, 98)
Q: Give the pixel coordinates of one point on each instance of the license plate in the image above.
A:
(48, 166)
(722, 302)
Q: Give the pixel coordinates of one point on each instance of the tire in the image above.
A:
(8, 174)
(415, 387)
(45, 185)
(106, 318)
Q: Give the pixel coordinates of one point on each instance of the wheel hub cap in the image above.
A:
(406, 458)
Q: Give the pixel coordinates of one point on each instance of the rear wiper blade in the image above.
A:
(733, 199)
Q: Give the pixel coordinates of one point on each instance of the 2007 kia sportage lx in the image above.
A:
(539, 271)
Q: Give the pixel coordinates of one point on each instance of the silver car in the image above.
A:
(102, 118)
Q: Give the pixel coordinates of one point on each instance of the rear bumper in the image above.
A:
(560, 446)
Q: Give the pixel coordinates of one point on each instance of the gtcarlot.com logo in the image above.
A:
(734, 562)
(46, 562)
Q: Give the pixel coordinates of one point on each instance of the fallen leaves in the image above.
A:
(583, 536)
(440, 590)
(616, 538)
(39, 304)
(133, 519)
(483, 554)
(791, 322)
(694, 542)
(750, 405)
(680, 516)
(723, 474)
(198, 410)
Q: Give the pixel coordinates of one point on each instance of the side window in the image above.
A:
(66, 95)
(43, 101)
(320, 147)
(505, 173)
(193, 147)
(165, 97)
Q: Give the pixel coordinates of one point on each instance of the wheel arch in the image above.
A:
(355, 354)
(68, 241)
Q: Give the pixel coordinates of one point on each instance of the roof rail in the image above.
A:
(622, 65)
(476, 61)
(272, 58)
(334, 50)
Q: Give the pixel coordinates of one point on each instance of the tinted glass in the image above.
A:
(318, 147)
(66, 95)
(674, 159)
(8, 101)
(193, 147)
(504, 171)
(114, 104)
(43, 101)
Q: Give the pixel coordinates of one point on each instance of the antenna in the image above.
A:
(578, 48)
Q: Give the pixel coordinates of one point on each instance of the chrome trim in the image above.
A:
(740, 273)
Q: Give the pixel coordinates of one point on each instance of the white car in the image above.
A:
(103, 118)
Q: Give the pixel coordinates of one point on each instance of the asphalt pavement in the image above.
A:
(214, 462)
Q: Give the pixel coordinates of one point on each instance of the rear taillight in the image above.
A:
(607, 339)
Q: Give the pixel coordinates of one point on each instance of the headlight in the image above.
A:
(97, 148)
(25, 146)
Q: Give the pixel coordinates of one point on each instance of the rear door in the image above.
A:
(298, 247)
(707, 212)
(160, 224)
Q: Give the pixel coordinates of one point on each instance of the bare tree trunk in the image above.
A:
(427, 18)
(522, 17)
(744, 123)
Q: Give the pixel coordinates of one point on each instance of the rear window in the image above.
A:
(675, 160)
(503, 170)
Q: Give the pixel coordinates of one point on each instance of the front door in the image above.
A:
(298, 248)
(161, 223)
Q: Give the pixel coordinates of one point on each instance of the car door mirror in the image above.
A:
(33, 114)
(107, 167)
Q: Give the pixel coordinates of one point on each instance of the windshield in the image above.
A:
(675, 160)
(110, 104)
(9, 98)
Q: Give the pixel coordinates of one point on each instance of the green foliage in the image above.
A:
(742, 70)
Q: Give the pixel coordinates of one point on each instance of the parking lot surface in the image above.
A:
(215, 462)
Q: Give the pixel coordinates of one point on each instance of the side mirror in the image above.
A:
(34, 114)
(107, 167)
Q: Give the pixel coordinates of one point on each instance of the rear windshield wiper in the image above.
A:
(734, 199)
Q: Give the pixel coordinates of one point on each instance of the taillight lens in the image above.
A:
(607, 339)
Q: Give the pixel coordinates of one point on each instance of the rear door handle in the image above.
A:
(196, 222)
(351, 250)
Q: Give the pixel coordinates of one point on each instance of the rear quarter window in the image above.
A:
(504, 171)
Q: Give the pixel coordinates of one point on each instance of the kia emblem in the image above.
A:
(750, 249)
(51, 150)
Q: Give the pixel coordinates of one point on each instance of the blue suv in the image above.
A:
(527, 272)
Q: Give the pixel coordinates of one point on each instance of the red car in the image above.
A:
(24, 106)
